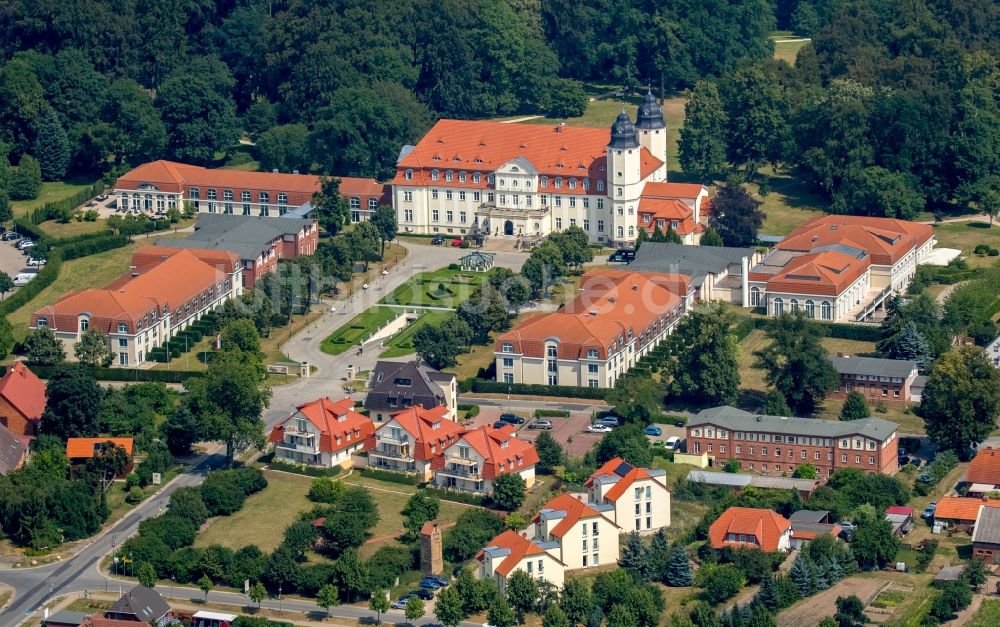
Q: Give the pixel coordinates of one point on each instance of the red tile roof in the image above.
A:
(519, 547)
(428, 428)
(483, 146)
(500, 448)
(765, 525)
(149, 256)
(802, 534)
(653, 211)
(24, 391)
(673, 190)
(334, 419)
(985, 467)
(575, 511)
(625, 474)
(887, 240)
(899, 509)
(827, 273)
(84, 448)
(960, 508)
(611, 305)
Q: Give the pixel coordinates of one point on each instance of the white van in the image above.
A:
(673, 442)
(23, 278)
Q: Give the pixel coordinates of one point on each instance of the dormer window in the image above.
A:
(475, 177)
(461, 177)
(403, 382)
(409, 175)
(448, 175)
(490, 178)
(544, 181)
(507, 348)
(572, 183)
(436, 425)
(600, 186)
(592, 353)
(558, 182)
(434, 175)
(122, 327)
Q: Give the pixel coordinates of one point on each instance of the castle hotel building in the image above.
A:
(531, 180)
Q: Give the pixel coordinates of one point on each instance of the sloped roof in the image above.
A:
(987, 526)
(422, 388)
(500, 447)
(766, 525)
(24, 391)
(985, 467)
(739, 420)
(887, 240)
(694, 261)
(846, 364)
(144, 603)
(961, 508)
(333, 419)
(621, 473)
(172, 176)
(79, 448)
(515, 547)
(96, 620)
(663, 189)
(571, 509)
(429, 428)
(825, 273)
(11, 450)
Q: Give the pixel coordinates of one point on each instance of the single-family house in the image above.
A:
(983, 474)
(986, 536)
(635, 499)
(79, 450)
(323, 432)
(141, 604)
(479, 456)
(510, 551)
(746, 527)
(580, 536)
(413, 440)
(22, 400)
(959, 513)
(397, 385)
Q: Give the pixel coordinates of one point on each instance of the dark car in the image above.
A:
(438, 240)
(430, 583)
(512, 419)
(442, 581)
(424, 593)
(10, 237)
(500, 424)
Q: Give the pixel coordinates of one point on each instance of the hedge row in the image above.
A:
(44, 278)
(551, 413)
(482, 385)
(669, 419)
(125, 374)
(309, 471)
(76, 248)
(28, 229)
(391, 477)
(839, 330)
(63, 209)
(457, 497)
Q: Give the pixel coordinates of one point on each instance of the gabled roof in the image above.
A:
(429, 429)
(96, 620)
(765, 525)
(171, 176)
(334, 420)
(987, 526)
(568, 510)
(661, 189)
(619, 472)
(405, 383)
(738, 420)
(654, 210)
(961, 508)
(144, 603)
(825, 273)
(500, 447)
(85, 448)
(985, 467)
(511, 545)
(12, 450)
(901, 368)
(24, 391)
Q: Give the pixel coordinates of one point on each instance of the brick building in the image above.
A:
(778, 444)
(879, 380)
(22, 400)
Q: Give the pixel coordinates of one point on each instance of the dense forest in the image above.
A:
(902, 93)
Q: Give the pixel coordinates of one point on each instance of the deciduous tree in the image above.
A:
(328, 596)
(439, 346)
(550, 453)
(448, 608)
(961, 400)
(522, 593)
(384, 220)
(736, 215)
(855, 407)
(43, 348)
(378, 603)
(93, 348)
(73, 400)
(702, 145)
(414, 609)
(627, 442)
(509, 491)
(501, 614)
(795, 362)
(703, 353)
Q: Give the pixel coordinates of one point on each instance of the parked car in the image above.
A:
(929, 511)
(11, 236)
(401, 602)
(653, 430)
(599, 428)
(442, 581)
(611, 421)
(364, 286)
(673, 442)
(438, 240)
(24, 243)
(430, 583)
(679, 423)
(541, 424)
(424, 593)
(32, 261)
(847, 529)
(23, 278)
(456, 242)
(916, 462)
(903, 460)
(512, 419)
(500, 424)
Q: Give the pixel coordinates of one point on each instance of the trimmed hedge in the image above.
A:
(43, 279)
(391, 477)
(551, 413)
(668, 419)
(26, 228)
(839, 330)
(482, 385)
(74, 248)
(309, 471)
(63, 209)
(125, 374)
(457, 497)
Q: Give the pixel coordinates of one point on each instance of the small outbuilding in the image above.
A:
(476, 261)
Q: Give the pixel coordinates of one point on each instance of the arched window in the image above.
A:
(434, 175)
(779, 306)
(631, 231)
(558, 182)
(810, 309)
(461, 177)
(600, 186)
(545, 181)
(409, 175)
(755, 297)
(355, 202)
(475, 177)
(619, 192)
(793, 304)
(586, 184)
(826, 310)
(449, 175)
(572, 183)
(621, 231)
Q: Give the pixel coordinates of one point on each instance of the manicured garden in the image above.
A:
(352, 333)
(441, 288)
(402, 343)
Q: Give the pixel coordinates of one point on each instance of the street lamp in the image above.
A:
(279, 597)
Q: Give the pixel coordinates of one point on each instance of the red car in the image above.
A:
(456, 242)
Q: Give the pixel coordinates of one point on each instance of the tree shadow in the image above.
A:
(750, 400)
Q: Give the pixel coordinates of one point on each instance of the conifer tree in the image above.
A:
(635, 558)
(52, 147)
(855, 407)
(911, 344)
(679, 570)
(802, 574)
(659, 556)
(766, 595)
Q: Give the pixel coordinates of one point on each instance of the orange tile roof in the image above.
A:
(985, 467)
(673, 190)
(149, 256)
(887, 240)
(500, 447)
(961, 508)
(483, 146)
(765, 525)
(81, 448)
(624, 473)
(334, 419)
(519, 547)
(611, 306)
(827, 273)
(99, 621)
(653, 211)
(428, 428)
(24, 391)
(802, 534)
(575, 511)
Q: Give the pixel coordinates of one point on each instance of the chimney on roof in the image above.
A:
(815, 237)
(635, 287)
(760, 418)
(295, 171)
(612, 299)
(274, 170)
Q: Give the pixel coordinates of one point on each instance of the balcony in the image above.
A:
(392, 452)
(388, 439)
(459, 467)
(301, 448)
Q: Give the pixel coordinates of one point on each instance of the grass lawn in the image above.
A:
(987, 616)
(51, 191)
(402, 343)
(786, 50)
(469, 363)
(790, 203)
(751, 378)
(684, 515)
(264, 516)
(965, 236)
(357, 329)
(249, 166)
(422, 290)
(72, 228)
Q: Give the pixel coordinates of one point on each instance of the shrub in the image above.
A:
(135, 495)
(456, 497)
(391, 477)
(309, 471)
(981, 249)
(482, 385)
(551, 413)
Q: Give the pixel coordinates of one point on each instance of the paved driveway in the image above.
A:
(570, 432)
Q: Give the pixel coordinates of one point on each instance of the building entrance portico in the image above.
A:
(508, 228)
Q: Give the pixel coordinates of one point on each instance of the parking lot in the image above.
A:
(12, 260)
(570, 432)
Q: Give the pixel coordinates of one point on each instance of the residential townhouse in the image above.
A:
(22, 400)
(163, 185)
(396, 385)
(599, 336)
(879, 380)
(634, 499)
(840, 268)
(413, 440)
(509, 552)
(481, 455)
(745, 527)
(779, 444)
(575, 532)
(322, 432)
(147, 306)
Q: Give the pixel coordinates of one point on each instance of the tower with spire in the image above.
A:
(625, 182)
(652, 132)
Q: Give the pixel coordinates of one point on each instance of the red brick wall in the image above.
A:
(872, 391)
(14, 420)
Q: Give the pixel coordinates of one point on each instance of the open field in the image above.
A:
(785, 49)
(264, 516)
(987, 616)
(401, 344)
(965, 236)
(357, 329)
(424, 289)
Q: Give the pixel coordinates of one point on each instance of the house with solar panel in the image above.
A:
(511, 551)
(634, 499)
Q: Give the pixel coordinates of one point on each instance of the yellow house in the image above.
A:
(635, 499)
(578, 535)
(509, 552)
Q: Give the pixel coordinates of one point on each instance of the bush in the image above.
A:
(457, 497)
(135, 495)
(551, 413)
(59, 209)
(309, 471)
(391, 477)
(981, 249)
(482, 385)
(669, 419)
(84, 247)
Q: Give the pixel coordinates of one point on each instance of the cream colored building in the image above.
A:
(509, 552)
(578, 535)
(321, 433)
(635, 499)
(481, 455)
(412, 441)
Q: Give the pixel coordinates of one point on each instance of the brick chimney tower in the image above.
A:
(431, 561)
